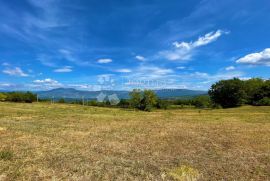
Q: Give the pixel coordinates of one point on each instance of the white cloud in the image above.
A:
(185, 50)
(230, 68)
(260, 58)
(141, 58)
(46, 84)
(17, 71)
(47, 81)
(104, 60)
(64, 69)
(123, 70)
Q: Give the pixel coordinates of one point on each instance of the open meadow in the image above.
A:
(40, 141)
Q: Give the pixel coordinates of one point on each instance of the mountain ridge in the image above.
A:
(72, 93)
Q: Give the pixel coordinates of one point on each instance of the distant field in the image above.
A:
(72, 142)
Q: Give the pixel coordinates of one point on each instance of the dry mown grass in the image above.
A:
(70, 142)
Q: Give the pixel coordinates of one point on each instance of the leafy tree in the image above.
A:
(135, 98)
(149, 100)
(262, 92)
(252, 86)
(228, 93)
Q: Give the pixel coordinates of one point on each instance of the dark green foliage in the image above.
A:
(235, 92)
(228, 93)
(252, 86)
(263, 92)
(26, 97)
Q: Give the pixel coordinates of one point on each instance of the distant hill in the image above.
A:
(71, 93)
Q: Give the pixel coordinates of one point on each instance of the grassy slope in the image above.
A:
(82, 143)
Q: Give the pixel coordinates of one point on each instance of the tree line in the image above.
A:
(236, 92)
(223, 94)
(27, 97)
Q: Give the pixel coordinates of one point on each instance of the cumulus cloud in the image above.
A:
(230, 68)
(104, 60)
(185, 50)
(259, 58)
(141, 58)
(46, 84)
(17, 71)
(64, 69)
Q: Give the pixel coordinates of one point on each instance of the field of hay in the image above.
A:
(40, 141)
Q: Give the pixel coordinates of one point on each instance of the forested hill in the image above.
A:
(73, 93)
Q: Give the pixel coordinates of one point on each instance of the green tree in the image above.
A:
(135, 98)
(149, 100)
(228, 93)
(252, 86)
(262, 93)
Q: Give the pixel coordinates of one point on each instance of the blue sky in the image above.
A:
(126, 44)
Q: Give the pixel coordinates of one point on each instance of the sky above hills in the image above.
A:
(126, 44)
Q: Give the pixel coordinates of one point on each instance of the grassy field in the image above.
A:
(72, 142)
